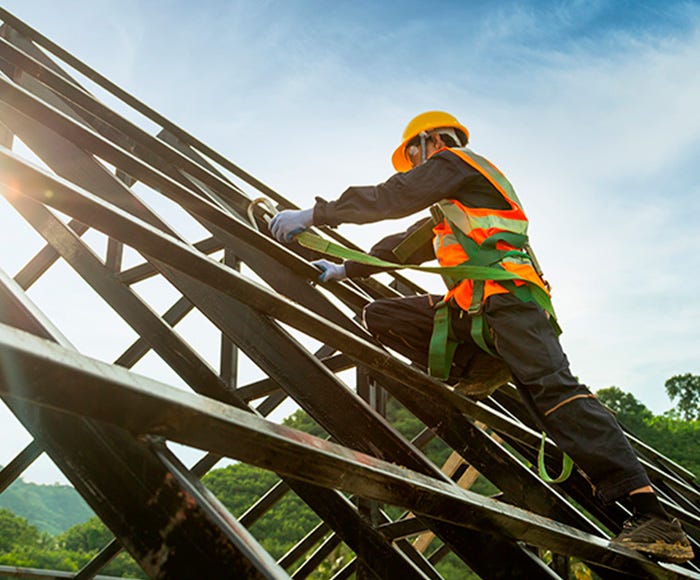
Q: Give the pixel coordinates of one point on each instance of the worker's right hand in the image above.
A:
(286, 224)
(330, 270)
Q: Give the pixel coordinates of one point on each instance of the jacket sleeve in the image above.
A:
(443, 176)
(401, 195)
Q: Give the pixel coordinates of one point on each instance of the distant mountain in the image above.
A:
(51, 508)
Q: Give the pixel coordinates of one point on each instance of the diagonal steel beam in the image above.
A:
(14, 468)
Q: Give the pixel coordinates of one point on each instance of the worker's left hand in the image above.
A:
(330, 270)
(290, 222)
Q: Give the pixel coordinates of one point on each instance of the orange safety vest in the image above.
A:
(487, 229)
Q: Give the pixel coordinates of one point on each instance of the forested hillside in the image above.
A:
(51, 508)
(22, 544)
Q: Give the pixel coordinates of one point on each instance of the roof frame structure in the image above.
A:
(117, 455)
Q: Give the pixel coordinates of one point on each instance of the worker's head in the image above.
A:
(424, 135)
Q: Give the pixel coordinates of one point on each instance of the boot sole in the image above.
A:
(476, 392)
(673, 553)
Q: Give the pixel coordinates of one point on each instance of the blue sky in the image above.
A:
(589, 107)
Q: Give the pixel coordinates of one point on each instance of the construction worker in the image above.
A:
(476, 219)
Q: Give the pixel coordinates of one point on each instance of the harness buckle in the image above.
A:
(437, 213)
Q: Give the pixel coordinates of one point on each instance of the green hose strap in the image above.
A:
(566, 466)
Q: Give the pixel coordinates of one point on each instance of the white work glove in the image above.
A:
(290, 222)
(330, 270)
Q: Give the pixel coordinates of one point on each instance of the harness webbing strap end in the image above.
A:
(566, 466)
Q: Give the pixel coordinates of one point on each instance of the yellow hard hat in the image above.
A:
(423, 122)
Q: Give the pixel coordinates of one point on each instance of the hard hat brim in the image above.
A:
(399, 160)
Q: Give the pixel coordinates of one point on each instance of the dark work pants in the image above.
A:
(530, 348)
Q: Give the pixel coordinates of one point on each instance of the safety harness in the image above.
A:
(486, 254)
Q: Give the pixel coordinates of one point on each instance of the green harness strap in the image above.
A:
(486, 254)
(443, 343)
(317, 243)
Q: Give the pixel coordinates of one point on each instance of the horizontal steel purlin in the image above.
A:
(55, 377)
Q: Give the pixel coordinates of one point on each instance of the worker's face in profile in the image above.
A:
(432, 144)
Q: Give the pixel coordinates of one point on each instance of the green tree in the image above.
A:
(668, 433)
(301, 421)
(89, 536)
(87, 539)
(677, 439)
(16, 531)
(43, 557)
(239, 486)
(685, 388)
(630, 412)
(24, 545)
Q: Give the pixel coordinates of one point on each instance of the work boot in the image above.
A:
(484, 375)
(654, 535)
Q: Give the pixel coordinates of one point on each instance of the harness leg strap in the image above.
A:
(443, 344)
